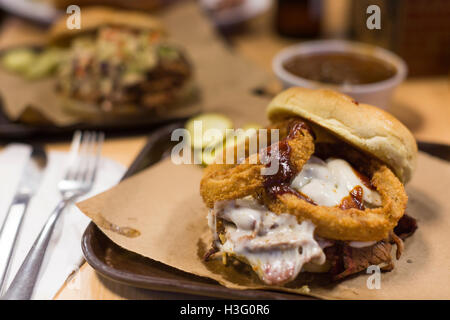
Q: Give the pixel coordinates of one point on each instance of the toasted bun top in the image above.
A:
(366, 127)
(93, 18)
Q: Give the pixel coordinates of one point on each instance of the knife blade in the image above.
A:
(27, 187)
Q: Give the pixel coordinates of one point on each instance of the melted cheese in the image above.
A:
(361, 244)
(328, 182)
(275, 246)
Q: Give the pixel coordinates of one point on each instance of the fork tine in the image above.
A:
(73, 154)
(83, 154)
(91, 156)
(96, 152)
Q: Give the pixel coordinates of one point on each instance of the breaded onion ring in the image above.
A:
(350, 224)
(233, 181)
(227, 182)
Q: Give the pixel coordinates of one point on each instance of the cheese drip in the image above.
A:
(275, 246)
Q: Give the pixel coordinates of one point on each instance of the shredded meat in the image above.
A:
(399, 243)
(210, 252)
(346, 260)
(405, 227)
(163, 83)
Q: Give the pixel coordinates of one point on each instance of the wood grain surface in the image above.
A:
(423, 105)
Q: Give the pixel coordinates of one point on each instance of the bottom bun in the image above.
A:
(92, 113)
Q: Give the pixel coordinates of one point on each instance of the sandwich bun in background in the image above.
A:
(366, 127)
(92, 18)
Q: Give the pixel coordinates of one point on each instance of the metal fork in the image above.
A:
(78, 180)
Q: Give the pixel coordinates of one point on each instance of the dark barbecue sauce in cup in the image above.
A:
(340, 68)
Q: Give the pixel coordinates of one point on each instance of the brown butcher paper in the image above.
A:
(164, 206)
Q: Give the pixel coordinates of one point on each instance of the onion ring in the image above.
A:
(233, 181)
(371, 224)
(227, 182)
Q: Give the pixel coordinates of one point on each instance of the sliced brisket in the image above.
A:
(346, 260)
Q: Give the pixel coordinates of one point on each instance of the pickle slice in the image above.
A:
(206, 137)
(44, 64)
(251, 125)
(207, 157)
(18, 60)
(210, 155)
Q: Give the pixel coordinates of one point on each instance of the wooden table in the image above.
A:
(421, 104)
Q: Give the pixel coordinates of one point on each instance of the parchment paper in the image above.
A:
(164, 205)
(225, 80)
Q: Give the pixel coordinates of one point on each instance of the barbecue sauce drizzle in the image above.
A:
(280, 182)
(364, 179)
(353, 200)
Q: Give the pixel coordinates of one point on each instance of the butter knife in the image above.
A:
(28, 185)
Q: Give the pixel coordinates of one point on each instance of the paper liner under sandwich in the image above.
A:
(163, 204)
